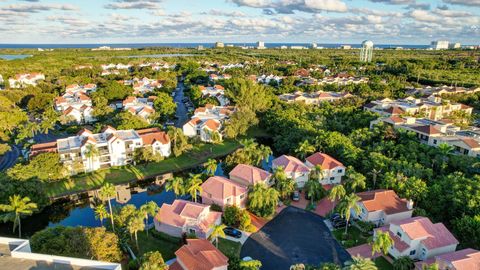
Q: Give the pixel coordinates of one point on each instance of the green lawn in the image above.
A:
(125, 174)
(156, 241)
(383, 264)
(353, 238)
(229, 247)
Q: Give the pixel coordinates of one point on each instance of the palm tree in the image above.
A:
(217, 231)
(177, 185)
(337, 193)
(263, 153)
(317, 173)
(211, 166)
(403, 263)
(347, 205)
(91, 151)
(194, 186)
(433, 266)
(136, 224)
(355, 179)
(313, 189)
(101, 213)
(304, 148)
(261, 197)
(149, 210)
(106, 192)
(445, 150)
(382, 243)
(374, 173)
(360, 263)
(17, 208)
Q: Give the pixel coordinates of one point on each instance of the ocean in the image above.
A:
(191, 45)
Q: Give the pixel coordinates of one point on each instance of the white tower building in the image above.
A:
(366, 52)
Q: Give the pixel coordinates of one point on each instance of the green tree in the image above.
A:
(152, 260)
(101, 213)
(250, 265)
(45, 167)
(262, 200)
(337, 193)
(284, 185)
(359, 263)
(314, 190)
(211, 166)
(179, 141)
(347, 205)
(15, 209)
(194, 186)
(355, 180)
(176, 185)
(164, 105)
(382, 243)
(304, 149)
(106, 192)
(403, 263)
(91, 152)
(217, 231)
(149, 209)
(136, 224)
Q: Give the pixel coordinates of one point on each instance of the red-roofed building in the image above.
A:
(294, 169)
(465, 259)
(186, 217)
(248, 175)
(419, 238)
(157, 139)
(199, 254)
(332, 169)
(50, 147)
(382, 207)
(222, 191)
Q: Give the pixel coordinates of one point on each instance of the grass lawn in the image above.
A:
(353, 238)
(125, 174)
(229, 247)
(156, 241)
(383, 264)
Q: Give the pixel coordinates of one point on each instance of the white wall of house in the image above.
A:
(189, 130)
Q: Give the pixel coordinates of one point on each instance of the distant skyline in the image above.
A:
(237, 21)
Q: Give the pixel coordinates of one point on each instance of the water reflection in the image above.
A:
(14, 56)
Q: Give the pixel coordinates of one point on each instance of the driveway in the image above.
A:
(294, 236)
(181, 113)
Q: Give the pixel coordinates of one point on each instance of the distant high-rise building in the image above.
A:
(455, 45)
(366, 52)
(345, 47)
(439, 45)
(314, 45)
(200, 47)
(219, 45)
(260, 45)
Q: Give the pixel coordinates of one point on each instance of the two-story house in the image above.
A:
(419, 238)
(222, 191)
(294, 168)
(465, 259)
(248, 175)
(381, 207)
(186, 217)
(332, 170)
(199, 254)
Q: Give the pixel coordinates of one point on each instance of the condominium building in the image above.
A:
(75, 105)
(442, 90)
(216, 91)
(108, 148)
(207, 120)
(142, 107)
(439, 45)
(25, 79)
(313, 98)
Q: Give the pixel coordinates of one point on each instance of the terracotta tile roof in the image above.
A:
(383, 200)
(212, 124)
(433, 235)
(324, 95)
(394, 110)
(43, 148)
(217, 86)
(194, 121)
(250, 174)
(129, 99)
(175, 266)
(107, 127)
(325, 161)
(465, 259)
(430, 130)
(221, 188)
(60, 100)
(465, 107)
(68, 110)
(153, 136)
(200, 254)
(396, 119)
(290, 164)
(472, 143)
(200, 110)
(84, 132)
(209, 106)
(83, 97)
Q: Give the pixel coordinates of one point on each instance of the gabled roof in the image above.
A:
(290, 164)
(472, 143)
(221, 188)
(325, 161)
(212, 124)
(383, 200)
(465, 259)
(200, 254)
(395, 110)
(430, 130)
(151, 135)
(249, 174)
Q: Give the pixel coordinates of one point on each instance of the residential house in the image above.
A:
(419, 238)
(332, 170)
(215, 77)
(113, 147)
(266, 79)
(25, 79)
(441, 90)
(143, 86)
(465, 259)
(75, 105)
(216, 91)
(222, 192)
(248, 175)
(314, 98)
(185, 217)
(207, 120)
(110, 72)
(199, 254)
(294, 168)
(381, 207)
(142, 107)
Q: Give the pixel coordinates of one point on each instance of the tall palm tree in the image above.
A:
(317, 173)
(337, 193)
(360, 263)
(382, 243)
(304, 148)
(313, 189)
(374, 173)
(211, 166)
(194, 186)
(177, 185)
(101, 213)
(136, 224)
(355, 180)
(91, 151)
(263, 153)
(217, 231)
(149, 209)
(15, 209)
(445, 151)
(106, 192)
(347, 205)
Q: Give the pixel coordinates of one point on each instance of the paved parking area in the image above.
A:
(294, 236)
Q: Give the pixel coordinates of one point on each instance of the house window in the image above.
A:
(340, 171)
(229, 201)
(399, 234)
(412, 252)
(434, 141)
(242, 196)
(191, 231)
(332, 178)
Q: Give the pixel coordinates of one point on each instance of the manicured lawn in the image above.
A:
(383, 264)
(156, 241)
(353, 238)
(125, 174)
(229, 247)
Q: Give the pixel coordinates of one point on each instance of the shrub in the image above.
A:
(216, 208)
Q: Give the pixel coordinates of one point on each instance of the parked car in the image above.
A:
(340, 223)
(232, 232)
(296, 196)
(335, 216)
(170, 123)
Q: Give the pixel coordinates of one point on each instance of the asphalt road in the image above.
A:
(181, 113)
(294, 236)
(10, 158)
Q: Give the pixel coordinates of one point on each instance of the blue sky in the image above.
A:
(321, 21)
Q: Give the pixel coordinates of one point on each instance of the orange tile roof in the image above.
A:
(383, 200)
(43, 148)
(465, 259)
(200, 254)
(150, 138)
(290, 164)
(249, 174)
(325, 161)
(221, 188)
(394, 110)
(472, 143)
(212, 124)
(430, 130)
